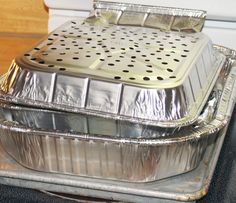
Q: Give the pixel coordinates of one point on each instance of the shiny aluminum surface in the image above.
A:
(107, 156)
(164, 18)
(185, 187)
(134, 73)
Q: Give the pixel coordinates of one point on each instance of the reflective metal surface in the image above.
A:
(41, 142)
(186, 187)
(164, 18)
(134, 73)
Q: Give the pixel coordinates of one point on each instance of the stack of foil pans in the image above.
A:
(116, 98)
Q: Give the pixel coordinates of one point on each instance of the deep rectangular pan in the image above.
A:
(120, 71)
(134, 159)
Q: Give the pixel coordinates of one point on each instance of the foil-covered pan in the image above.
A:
(120, 71)
(186, 187)
(111, 157)
(164, 18)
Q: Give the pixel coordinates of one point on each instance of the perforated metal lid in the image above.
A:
(139, 74)
(139, 55)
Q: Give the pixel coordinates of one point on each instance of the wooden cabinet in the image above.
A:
(23, 16)
(22, 24)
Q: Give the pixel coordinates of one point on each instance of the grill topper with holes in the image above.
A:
(140, 74)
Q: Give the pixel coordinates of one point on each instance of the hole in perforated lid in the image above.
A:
(62, 69)
(117, 77)
(146, 78)
(41, 62)
(159, 78)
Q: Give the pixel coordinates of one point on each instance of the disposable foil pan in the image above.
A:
(111, 157)
(164, 18)
(139, 74)
(185, 187)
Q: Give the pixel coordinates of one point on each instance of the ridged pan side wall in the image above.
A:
(127, 162)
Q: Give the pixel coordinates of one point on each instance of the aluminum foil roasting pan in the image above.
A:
(118, 70)
(111, 157)
(185, 187)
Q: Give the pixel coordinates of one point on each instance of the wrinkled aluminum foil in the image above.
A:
(139, 74)
(164, 18)
(43, 144)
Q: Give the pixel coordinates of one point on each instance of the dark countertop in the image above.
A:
(223, 185)
(222, 189)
